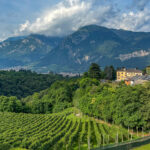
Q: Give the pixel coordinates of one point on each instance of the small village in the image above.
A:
(133, 76)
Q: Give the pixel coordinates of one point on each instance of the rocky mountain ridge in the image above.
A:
(74, 53)
(100, 45)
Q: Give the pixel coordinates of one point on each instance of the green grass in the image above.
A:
(18, 149)
(55, 131)
(145, 147)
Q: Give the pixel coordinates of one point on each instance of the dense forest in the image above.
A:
(113, 102)
(24, 82)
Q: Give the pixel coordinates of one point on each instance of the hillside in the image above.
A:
(101, 45)
(23, 83)
(56, 131)
(72, 113)
(25, 51)
(75, 52)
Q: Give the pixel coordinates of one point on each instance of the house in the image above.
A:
(121, 74)
(124, 73)
(137, 80)
(129, 82)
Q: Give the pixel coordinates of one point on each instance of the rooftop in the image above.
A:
(144, 77)
(134, 70)
(130, 70)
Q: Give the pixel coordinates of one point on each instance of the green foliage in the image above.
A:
(24, 83)
(5, 146)
(18, 149)
(115, 103)
(55, 99)
(109, 73)
(51, 131)
(145, 147)
(111, 102)
(94, 71)
(10, 104)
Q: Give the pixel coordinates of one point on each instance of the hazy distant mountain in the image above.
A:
(25, 51)
(75, 52)
(15, 38)
(101, 45)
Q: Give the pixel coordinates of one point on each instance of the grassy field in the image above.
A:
(18, 149)
(145, 147)
(68, 130)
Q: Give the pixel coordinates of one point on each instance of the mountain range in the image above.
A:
(75, 52)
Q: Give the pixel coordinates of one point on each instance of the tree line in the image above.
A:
(109, 72)
(25, 82)
(113, 102)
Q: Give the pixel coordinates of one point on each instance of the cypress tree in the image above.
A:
(94, 71)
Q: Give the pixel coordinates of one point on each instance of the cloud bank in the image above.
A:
(69, 15)
(134, 21)
(140, 4)
(66, 17)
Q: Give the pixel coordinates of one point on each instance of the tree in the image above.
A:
(85, 74)
(110, 73)
(94, 71)
(10, 104)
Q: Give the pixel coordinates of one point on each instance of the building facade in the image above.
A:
(124, 73)
(121, 74)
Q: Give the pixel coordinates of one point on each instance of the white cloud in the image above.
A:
(134, 21)
(67, 16)
(24, 26)
(140, 4)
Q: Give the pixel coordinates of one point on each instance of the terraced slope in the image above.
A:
(56, 131)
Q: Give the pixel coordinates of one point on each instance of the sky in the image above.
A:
(62, 17)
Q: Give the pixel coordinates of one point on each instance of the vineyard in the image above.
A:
(57, 131)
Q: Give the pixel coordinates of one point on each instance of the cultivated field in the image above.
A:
(57, 131)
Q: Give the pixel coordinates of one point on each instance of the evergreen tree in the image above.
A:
(94, 71)
(113, 73)
(109, 73)
(85, 75)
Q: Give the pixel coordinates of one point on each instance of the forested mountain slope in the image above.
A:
(75, 52)
(100, 45)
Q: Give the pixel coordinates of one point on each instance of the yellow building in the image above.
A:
(121, 74)
(124, 73)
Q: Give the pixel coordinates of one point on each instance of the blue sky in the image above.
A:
(62, 17)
